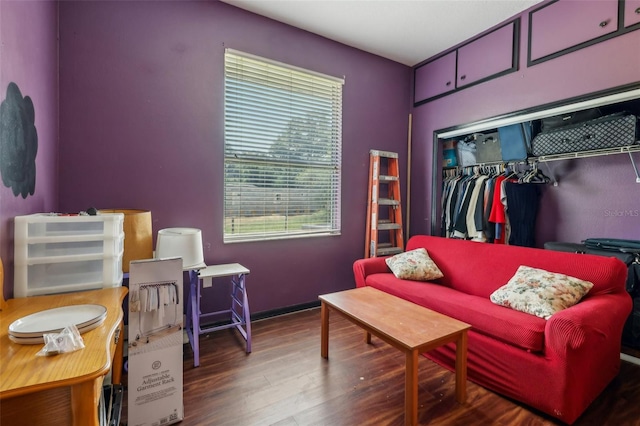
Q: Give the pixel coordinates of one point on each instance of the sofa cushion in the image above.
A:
(513, 327)
(540, 292)
(414, 265)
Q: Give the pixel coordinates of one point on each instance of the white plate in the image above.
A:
(40, 340)
(54, 320)
(81, 328)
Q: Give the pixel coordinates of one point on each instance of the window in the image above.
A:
(283, 149)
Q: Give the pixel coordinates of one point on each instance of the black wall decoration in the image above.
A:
(18, 142)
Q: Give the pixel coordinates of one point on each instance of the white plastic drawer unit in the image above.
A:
(59, 254)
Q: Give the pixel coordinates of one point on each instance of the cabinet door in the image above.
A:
(435, 78)
(631, 12)
(568, 23)
(489, 55)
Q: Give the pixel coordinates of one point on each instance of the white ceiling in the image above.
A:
(405, 31)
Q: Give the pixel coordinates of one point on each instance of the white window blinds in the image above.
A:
(283, 149)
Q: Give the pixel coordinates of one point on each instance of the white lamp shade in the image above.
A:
(181, 242)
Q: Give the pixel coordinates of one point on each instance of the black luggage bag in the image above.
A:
(609, 131)
(628, 253)
(631, 332)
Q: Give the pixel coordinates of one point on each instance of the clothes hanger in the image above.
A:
(540, 177)
(511, 174)
(535, 175)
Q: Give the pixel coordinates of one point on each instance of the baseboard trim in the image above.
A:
(269, 314)
(629, 358)
(285, 311)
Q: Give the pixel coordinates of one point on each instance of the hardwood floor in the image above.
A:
(285, 382)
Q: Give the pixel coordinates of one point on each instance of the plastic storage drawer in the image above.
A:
(56, 226)
(59, 254)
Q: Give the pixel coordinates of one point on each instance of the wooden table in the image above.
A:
(404, 325)
(62, 389)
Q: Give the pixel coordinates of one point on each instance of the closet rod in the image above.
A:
(568, 156)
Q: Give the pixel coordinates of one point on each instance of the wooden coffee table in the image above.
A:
(404, 325)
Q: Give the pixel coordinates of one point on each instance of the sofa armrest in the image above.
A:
(595, 324)
(364, 267)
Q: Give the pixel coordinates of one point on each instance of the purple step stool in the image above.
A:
(239, 311)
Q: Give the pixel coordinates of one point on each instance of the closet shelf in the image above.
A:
(557, 157)
(595, 153)
(585, 154)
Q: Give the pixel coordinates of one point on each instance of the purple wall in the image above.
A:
(141, 126)
(596, 197)
(28, 57)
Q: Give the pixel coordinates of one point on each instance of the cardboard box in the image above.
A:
(155, 379)
(138, 241)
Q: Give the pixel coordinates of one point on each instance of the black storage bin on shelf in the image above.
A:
(610, 131)
(631, 331)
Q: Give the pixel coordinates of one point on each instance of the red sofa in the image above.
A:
(558, 366)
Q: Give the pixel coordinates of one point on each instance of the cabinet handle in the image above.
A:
(604, 23)
(448, 83)
(638, 11)
(463, 77)
(117, 336)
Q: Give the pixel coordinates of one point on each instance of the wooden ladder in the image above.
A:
(384, 190)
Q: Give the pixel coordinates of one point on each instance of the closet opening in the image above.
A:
(453, 147)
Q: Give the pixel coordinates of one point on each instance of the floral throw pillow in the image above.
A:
(539, 292)
(414, 265)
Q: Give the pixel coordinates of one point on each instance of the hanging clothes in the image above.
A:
(498, 216)
(487, 228)
(449, 192)
(463, 204)
(460, 226)
(482, 205)
(475, 210)
(524, 199)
